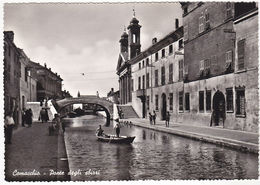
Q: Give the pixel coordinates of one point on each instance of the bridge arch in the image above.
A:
(105, 104)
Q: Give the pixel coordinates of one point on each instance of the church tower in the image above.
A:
(124, 42)
(134, 37)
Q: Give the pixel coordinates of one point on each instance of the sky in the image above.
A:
(84, 38)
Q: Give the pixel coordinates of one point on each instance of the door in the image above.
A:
(218, 114)
(164, 106)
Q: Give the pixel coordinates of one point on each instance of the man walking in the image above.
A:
(167, 119)
(154, 117)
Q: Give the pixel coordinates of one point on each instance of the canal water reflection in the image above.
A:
(152, 155)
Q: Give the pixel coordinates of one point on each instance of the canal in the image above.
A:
(152, 155)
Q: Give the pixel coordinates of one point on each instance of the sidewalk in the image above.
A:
(34, 152)
(245, 141)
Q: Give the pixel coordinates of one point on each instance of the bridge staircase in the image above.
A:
(128, 111)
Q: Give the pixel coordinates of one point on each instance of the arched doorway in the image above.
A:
(218, 114)
(164, 106)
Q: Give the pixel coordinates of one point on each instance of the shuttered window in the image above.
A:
(187, 101)
(171, 101)
(156, 102)
(170, 73)
(208, 100)
(201, 101)
(241, 54)
(180, 70)
(156, 77)
(229, 98)
(240, 102)
(181, 101)
(163, 75)
(147, 80)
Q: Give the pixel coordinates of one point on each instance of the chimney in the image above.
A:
(154, 40)
(9, 35)
(45, 65)
(176, 24)
(112, 89)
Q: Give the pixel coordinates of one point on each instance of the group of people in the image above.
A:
(152, 118)
(100, 131)
(27, 117)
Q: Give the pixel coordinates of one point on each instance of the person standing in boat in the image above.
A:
(99, 131)
(117, 130)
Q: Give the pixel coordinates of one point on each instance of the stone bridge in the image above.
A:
(105, 104)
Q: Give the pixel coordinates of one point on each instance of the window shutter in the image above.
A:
(241, 54)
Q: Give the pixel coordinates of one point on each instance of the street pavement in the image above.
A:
(32, 151)
(245, 141)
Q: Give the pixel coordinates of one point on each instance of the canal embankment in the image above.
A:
(36, 156)
(240, 140)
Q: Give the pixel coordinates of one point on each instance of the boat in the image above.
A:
(115, 139)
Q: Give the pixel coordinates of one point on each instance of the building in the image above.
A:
(113, 96)
(157, 76)
(49, 84)
(12, 73)
(215, 91)
(27, 83)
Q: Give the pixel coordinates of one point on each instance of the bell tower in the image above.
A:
(124, 42)
(134, 37)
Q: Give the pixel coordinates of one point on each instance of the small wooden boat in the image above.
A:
(115, 139)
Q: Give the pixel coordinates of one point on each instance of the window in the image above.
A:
(156, 56)
(143, 82)
(170, 49)
(156, 77)
(181, 101)
(201, 67)
(180, 44)
(170, 73)
(132, 85)
(26, 74)
(147, 80)
(139, 65)
(147, 62)
(229, 10)
(143, 63)
(201, 101)
(185, 34)
(171, 101)
(156, 102)
(228, 60)
(148, 102)
(208, 100)
(185, 10)
(207, 23)
(134, 38)
(207, 67)
(180, 70)
(187, 101)
(229, 98)
(163, 53)
(163, 75)
(240, 102)
(241, 54)
(201, 23)
(139, 83)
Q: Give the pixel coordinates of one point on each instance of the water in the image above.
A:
(152, 155)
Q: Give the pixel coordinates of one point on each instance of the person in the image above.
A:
(8, 127)
(117, 130)
(150, 118)
(55, 125)
(99, 131)
(23, 117)
(154, 117)
(28, 117)
(42, 115)
(46, 116)
(167, 119)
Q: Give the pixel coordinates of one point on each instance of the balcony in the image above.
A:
(140, 93)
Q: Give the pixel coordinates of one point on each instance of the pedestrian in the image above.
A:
(154, 117)
(42, 115)
(99, 131)
(28, 117)
(117, 130)
(167, 119)
(23, 117)
(8, 127)
(150, 118)
(46, 115)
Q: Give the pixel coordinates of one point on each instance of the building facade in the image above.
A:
(27, 83)
(49, 84)
(130, 47)
(113, 96)
(12, 73)
(157, 76)
(212, 92)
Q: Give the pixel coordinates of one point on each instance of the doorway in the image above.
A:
(218, 114)
(164, 106)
